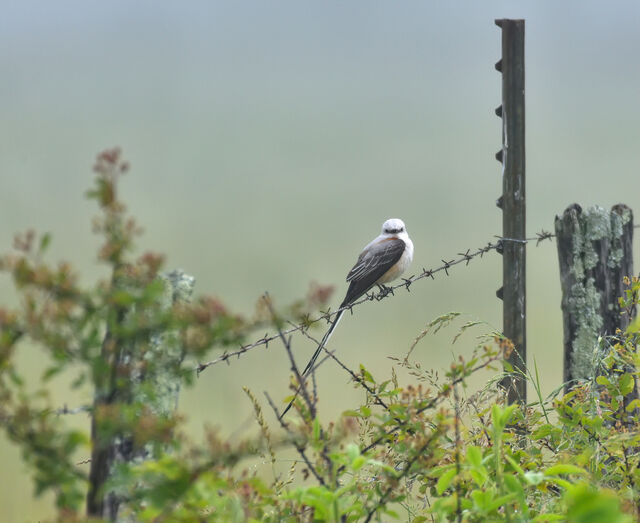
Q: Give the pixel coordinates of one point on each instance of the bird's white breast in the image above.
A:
(402, 264)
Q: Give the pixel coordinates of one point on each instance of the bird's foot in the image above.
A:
(384, 291)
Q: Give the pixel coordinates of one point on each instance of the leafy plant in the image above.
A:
(430, 449)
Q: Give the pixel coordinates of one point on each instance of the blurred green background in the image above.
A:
(270, 140)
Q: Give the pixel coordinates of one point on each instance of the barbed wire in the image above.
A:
(76, 410)
(462, 257)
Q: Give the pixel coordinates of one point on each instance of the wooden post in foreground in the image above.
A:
(155, 385)
(595, 254)
(512, 203)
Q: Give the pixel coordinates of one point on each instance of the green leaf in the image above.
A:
(563, 483)
(15, 378)
(387, 468)
(634, 326)
(316, 429)
(45, 240)
(615, 404)
(501, 417)
(365, 411)
(626, 383)
(635, 404)
(533, 477)
(585, 504)
(603, 380)
(122, 298)
(358, 462)
(445, 480)
(481, 499)
(474, 456)
(564, 468)
(542, 431)
(366, 374)
(514, 485)
(515, 465)
(51, 372)
(543, 518)
(353, 451)
(479, 476)
(153, 290)
(499, 502)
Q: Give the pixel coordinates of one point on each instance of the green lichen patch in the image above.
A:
(584, 307)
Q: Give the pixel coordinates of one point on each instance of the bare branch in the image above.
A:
(431, 404)
(294, 368)
(354, 376)
(299, 447)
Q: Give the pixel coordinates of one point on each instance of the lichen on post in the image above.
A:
(166, 352)
(595, 253)
(147, 372)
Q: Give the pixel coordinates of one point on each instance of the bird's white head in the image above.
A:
(393, 226)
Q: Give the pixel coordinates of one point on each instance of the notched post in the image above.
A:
(512, 202)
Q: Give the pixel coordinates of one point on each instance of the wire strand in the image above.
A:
(463, 257)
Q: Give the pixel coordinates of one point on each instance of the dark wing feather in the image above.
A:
(370, 267)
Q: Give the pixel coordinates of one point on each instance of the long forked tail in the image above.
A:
(307, 370)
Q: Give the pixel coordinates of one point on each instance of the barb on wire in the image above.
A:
(463, 257)
(77, 410)
(539, 237)
(543, 235)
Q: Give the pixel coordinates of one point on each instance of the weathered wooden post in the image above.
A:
(153, 370)
(595, 254)
(512, 203)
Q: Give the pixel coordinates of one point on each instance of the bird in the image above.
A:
(383, 260)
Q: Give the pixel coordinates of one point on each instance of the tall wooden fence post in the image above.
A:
(156, 386)
(512, 203)
(595, 254)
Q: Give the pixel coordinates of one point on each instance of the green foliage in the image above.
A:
(428, 450)
(106, 335)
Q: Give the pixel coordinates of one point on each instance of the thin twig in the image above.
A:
(299, 447)
(358, 379)
(431, 404)
(483, 423)
(287, 345)
(418, 454)
(457, 435)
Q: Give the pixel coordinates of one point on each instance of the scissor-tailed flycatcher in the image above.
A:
(381, 261)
